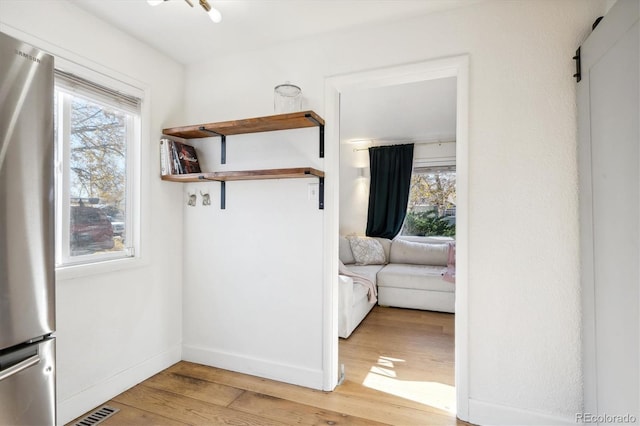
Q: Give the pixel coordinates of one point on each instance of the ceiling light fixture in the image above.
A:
(214, 14)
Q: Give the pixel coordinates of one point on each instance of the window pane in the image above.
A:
(92, 139)
(97, 178)
(432, 204)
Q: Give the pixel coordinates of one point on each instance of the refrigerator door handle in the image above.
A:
(21, 366)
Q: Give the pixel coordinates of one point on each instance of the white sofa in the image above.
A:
(410, 276)
(353, 301)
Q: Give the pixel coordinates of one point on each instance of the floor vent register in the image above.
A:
(97, 416)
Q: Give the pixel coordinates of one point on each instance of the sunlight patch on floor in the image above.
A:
(382, 377)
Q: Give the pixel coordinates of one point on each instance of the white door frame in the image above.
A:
(598, 313)
(409, 73)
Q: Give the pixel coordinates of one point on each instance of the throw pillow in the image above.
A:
(367, 251)
(344, 251)
(413, 253)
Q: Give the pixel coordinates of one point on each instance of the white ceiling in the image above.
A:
(187, 34)
(412, 112)
(423, 111)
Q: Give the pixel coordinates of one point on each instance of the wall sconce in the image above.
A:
(364, 172)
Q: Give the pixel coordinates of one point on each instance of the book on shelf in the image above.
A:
(177, 158)
(187, 158)
(174, 163)
(164, 157)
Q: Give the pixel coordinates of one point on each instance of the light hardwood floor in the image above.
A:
(399, 371)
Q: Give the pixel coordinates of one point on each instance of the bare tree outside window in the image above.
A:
(98, 154)
(97, 173)
(92, 139)
(432, 203)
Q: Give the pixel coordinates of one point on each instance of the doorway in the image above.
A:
(335, 87)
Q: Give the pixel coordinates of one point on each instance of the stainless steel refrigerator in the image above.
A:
(27, 316)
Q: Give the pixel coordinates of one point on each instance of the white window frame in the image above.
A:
(67, 265)
(423, 165)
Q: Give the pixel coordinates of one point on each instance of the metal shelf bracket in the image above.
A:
(320, 191)
(223, 194)
(223, 143)
(223, 149)
(321, 131)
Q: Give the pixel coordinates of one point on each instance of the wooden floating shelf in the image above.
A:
(292, 173)
(295, 120)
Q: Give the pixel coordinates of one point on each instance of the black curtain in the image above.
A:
(389, 191)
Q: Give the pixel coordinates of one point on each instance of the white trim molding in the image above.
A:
(458, 67)
(103, 391)
(268, 369)
(490, 414)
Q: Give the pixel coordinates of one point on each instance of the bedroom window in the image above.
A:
(432, 202)
(97, 134)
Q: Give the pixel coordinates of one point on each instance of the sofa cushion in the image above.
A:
(367, 251)
(344, 251)
(369, 271)
(430, 239)
(417, 277)
(346, 255)
(386, 245)
(403, 251)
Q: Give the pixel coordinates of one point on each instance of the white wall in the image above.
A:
(253, 272)
(354, 189)
(524, 320)
(115, 328)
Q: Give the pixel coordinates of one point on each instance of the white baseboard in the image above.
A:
(490, 414)
(254, 366)
(103, 391)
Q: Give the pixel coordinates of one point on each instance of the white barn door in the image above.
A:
(609, 164)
